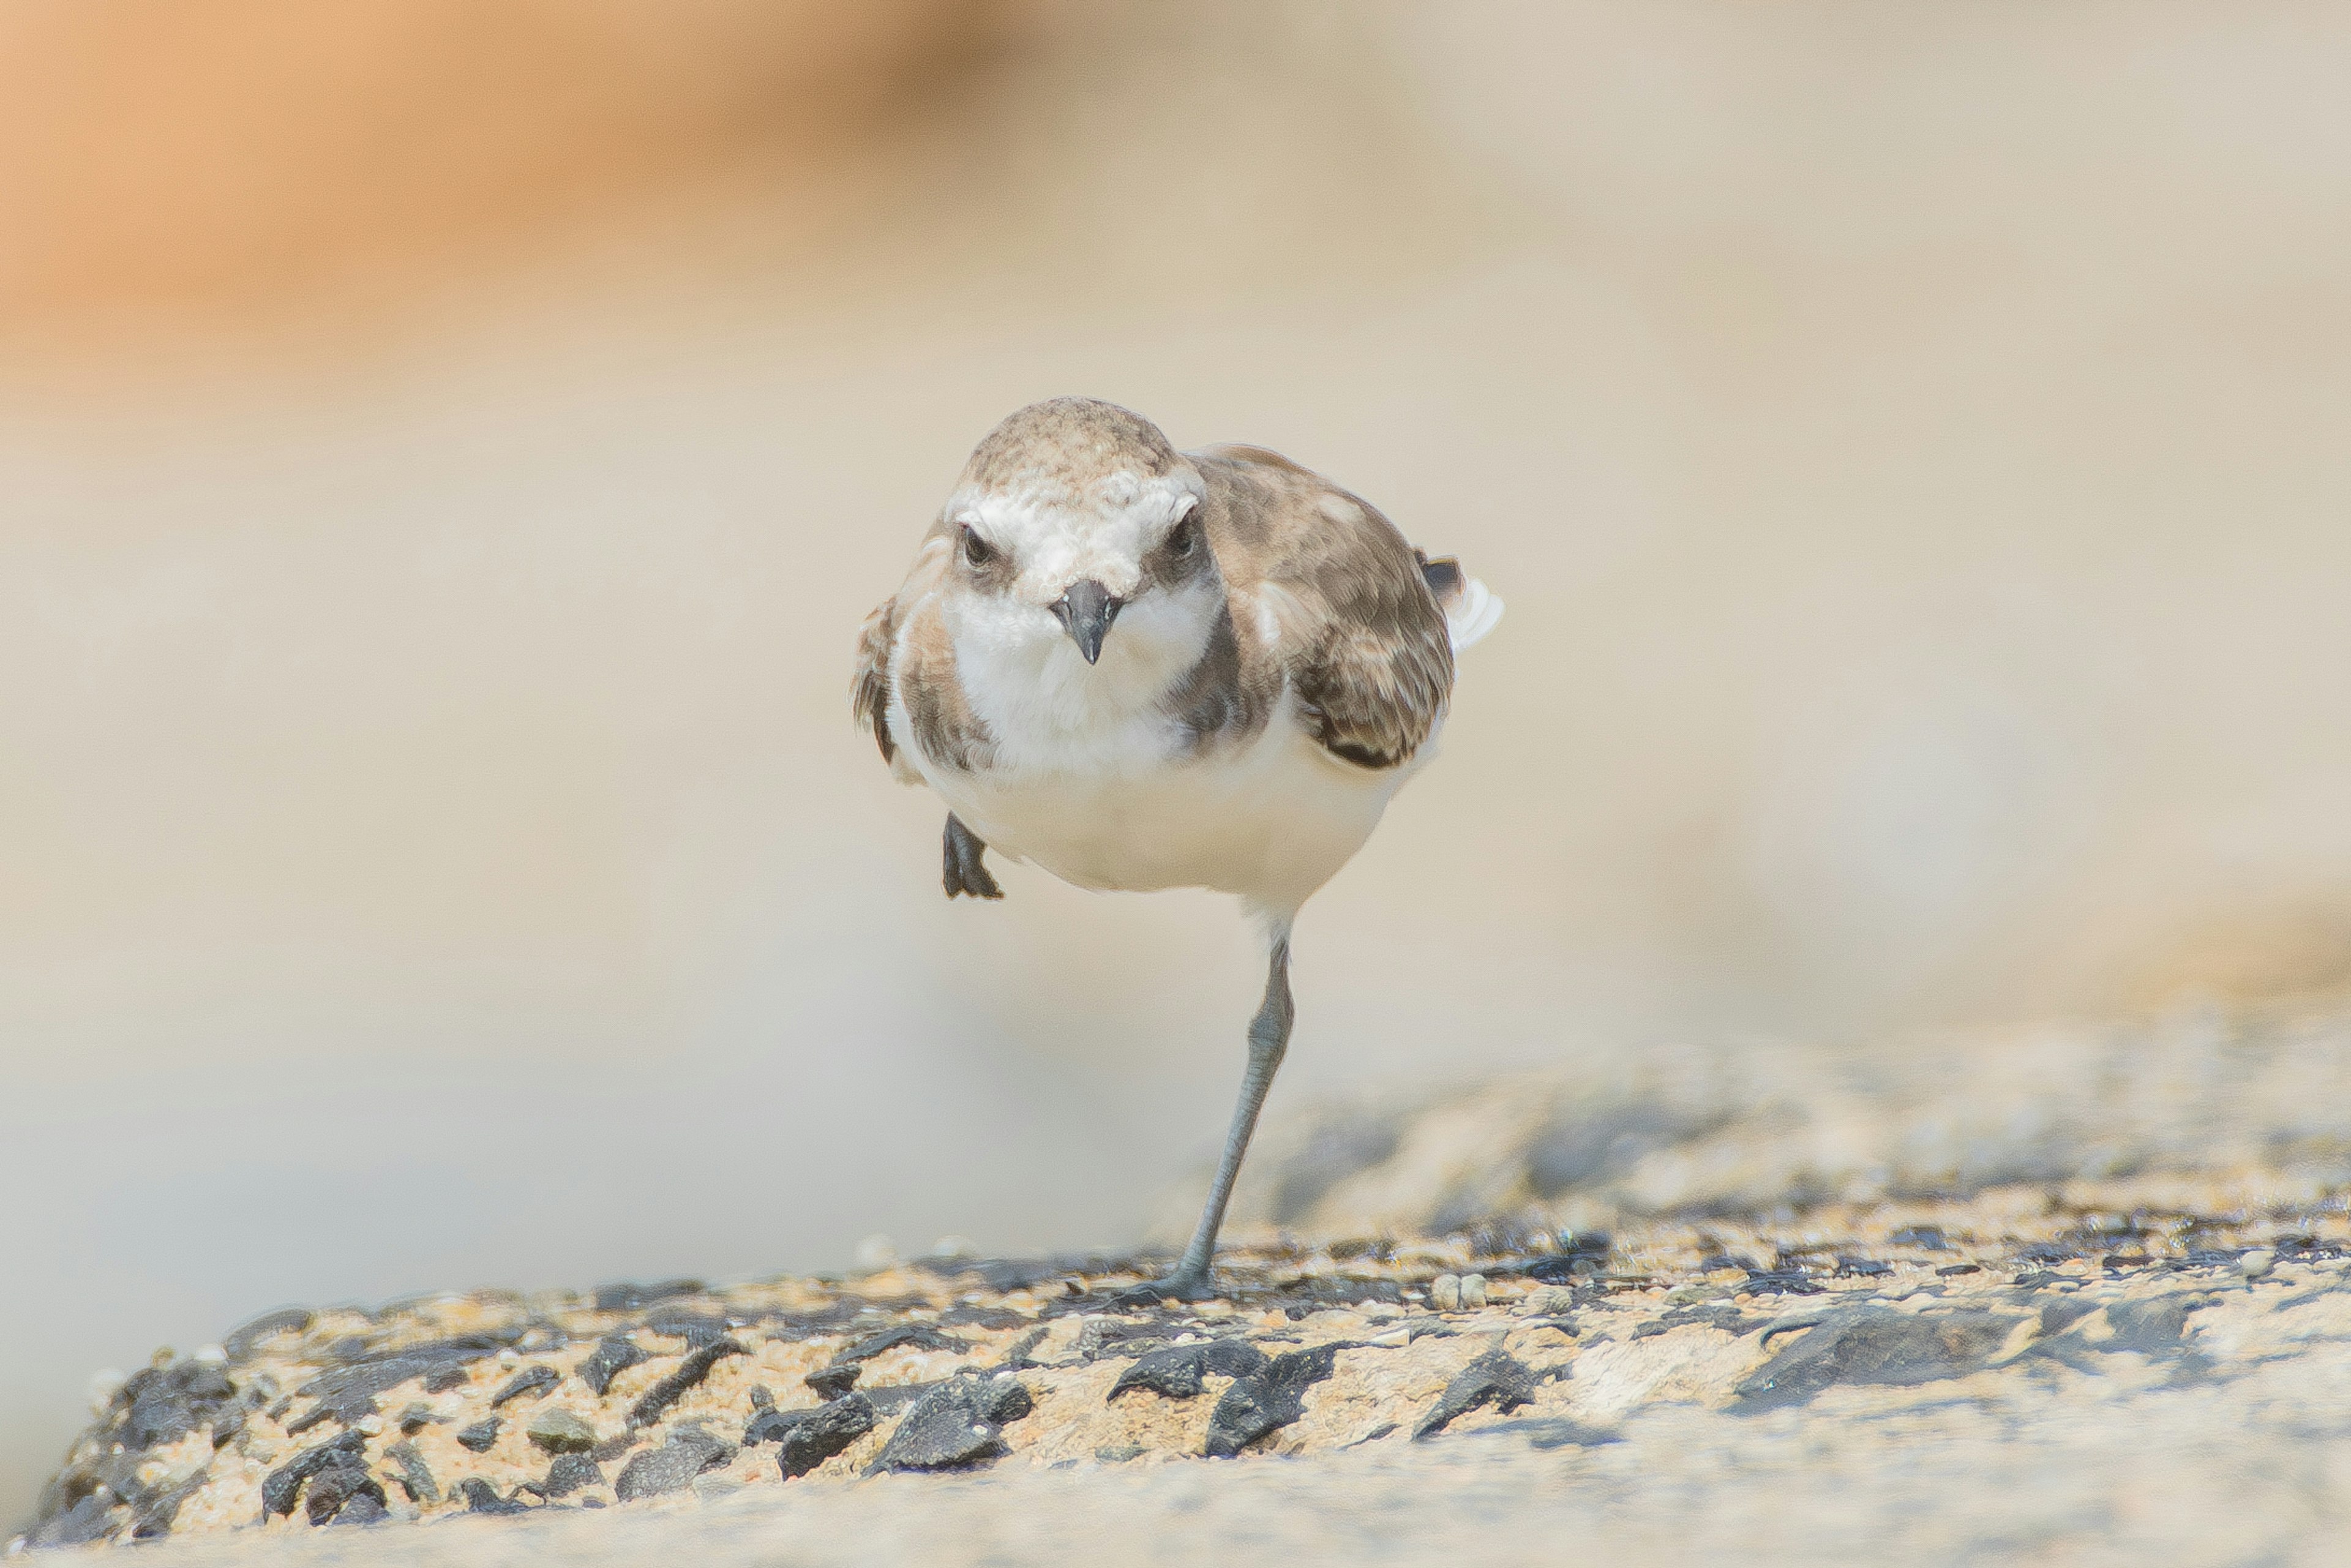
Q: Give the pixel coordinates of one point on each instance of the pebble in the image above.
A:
(535, 1381)
(480, 1434)
(1494, 1378)
(613, 1355)
(1473, 1292)
(1445, 1293)
(1266, 1400)
(954, 1425)
(569, 1473)
(1547, 1301)
(559, 1431)
(671, 1467)
(876, 1252)
(2257, 1262)
(481, 1498)
(211, 1355)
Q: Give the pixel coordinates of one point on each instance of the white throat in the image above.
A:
(1050, 711)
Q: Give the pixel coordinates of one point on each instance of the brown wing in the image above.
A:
(869, 694)
(1362, 639)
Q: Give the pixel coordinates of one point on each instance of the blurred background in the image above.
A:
(446, 450)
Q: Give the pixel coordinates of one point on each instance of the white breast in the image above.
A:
(1093, 782)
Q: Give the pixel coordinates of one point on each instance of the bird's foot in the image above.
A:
(965, 867)
(1179, 1286)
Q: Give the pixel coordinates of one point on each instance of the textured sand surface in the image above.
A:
(2096, 1305)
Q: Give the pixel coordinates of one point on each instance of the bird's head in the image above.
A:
(1078, 531)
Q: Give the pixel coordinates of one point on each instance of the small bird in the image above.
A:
(1143, 669)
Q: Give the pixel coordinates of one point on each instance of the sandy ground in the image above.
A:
(2094, 1309)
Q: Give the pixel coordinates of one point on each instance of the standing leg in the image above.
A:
(1268, 1038)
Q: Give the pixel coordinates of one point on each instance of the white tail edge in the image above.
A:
(1471, 613)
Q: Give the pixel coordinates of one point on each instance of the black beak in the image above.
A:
(1085, 612)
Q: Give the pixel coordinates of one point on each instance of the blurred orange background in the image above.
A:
(445, 452)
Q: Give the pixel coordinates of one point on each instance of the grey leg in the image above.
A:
(1269, 1040)
(965, 866)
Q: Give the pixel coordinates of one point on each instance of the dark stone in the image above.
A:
(1586, 1251)
(1266, 1400)
(338, 1485)
(556, 1430)
(480, 1434)
(162, 1405)
(1950, 1268)
(281, 1486)
(961, 1422)
(898, 1395)
(1176, 1372)
(1874, 1345)
(569, 1473)
(346, 1394)
(1925, 1238)
(1786, 1282)
(761, 1399)
(612, 1356)
(157, 1514)
(984, 1318)
(364, 1508)
(690, 1372)
(1494, 1378)
(833, 1382)
(415, 1418)
(811, 1437)
(1862, 1268)
(697, 1328)
(922, 1336)
(481, 1498)
(286, 1320)
(628, 1297)
(90, 1519)
(613, 1446)
(1729, 1319)
(674, 1464)
(529, 1380)
(415, 1475)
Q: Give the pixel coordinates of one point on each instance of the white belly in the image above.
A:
(1271, 820)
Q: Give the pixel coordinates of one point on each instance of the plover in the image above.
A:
(1141, 669)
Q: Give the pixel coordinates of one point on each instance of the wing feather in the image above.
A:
(869, 694)
(1361, 637)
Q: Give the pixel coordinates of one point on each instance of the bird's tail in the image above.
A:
(1470, 607)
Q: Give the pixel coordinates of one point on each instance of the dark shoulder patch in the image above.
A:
(1217, 702)
(946, 728)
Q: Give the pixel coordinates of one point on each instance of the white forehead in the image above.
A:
(1122, 510)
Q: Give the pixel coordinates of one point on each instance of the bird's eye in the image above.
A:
(977, 551)
(1182, 538)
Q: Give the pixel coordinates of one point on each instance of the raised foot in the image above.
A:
(964, 864)
(1176, 1287)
